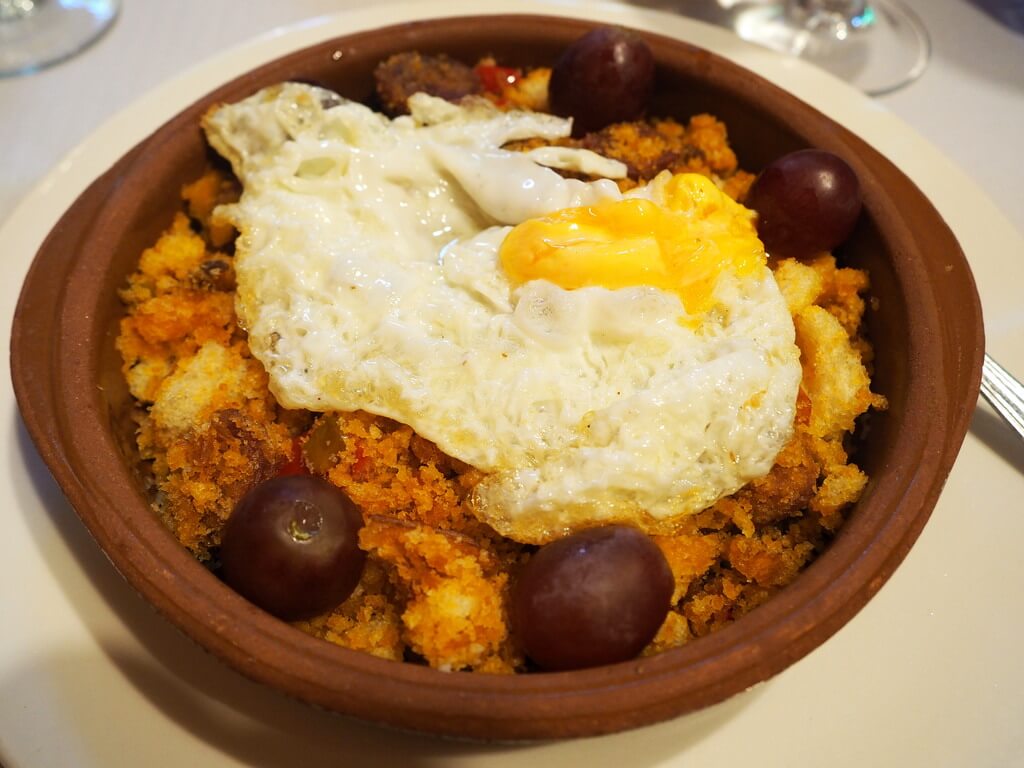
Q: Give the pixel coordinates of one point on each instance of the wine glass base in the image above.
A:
(50, 32)
(885, 49)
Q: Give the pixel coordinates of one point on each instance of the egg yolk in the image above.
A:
(681, 243)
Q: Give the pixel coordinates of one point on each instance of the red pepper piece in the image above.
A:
(362, 465)
(494, 79)
(294, 465)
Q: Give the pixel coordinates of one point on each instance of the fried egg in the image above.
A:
(600, 356)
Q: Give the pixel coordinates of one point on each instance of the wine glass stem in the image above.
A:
(847, 10)
(829, 20)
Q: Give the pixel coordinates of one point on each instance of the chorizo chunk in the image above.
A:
(400, 76)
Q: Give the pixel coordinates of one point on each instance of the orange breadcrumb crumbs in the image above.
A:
(649, 147)
(436, 583)
(367, 621)
(201, 199)
(454, 593)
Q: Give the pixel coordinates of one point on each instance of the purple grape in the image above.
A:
(604, 77)
(595, 597)
(291, 546)
(806, 202)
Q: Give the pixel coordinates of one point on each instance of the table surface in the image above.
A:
(969, 104)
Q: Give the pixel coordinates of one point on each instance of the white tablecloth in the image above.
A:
(193, 711)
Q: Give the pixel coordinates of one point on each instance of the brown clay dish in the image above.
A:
(926, 323)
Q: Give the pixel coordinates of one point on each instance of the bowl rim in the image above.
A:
(60, 409)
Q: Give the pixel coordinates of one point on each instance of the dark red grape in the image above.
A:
(806, 202)
(595, 597)
(291, 546)
(604, 77)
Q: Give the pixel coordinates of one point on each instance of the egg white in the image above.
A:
(368, 278)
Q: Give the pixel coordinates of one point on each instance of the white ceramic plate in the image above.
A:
(928, 674)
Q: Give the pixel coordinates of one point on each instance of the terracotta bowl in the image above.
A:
(925, 318)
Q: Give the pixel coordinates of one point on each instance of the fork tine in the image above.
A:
(1004, 393)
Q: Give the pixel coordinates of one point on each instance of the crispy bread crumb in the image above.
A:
(436, 584)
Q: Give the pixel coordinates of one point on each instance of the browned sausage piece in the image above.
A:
(404, 74)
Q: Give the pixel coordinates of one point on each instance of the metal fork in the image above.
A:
(1004, 393)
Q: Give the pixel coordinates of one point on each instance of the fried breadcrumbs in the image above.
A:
(437, 580)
